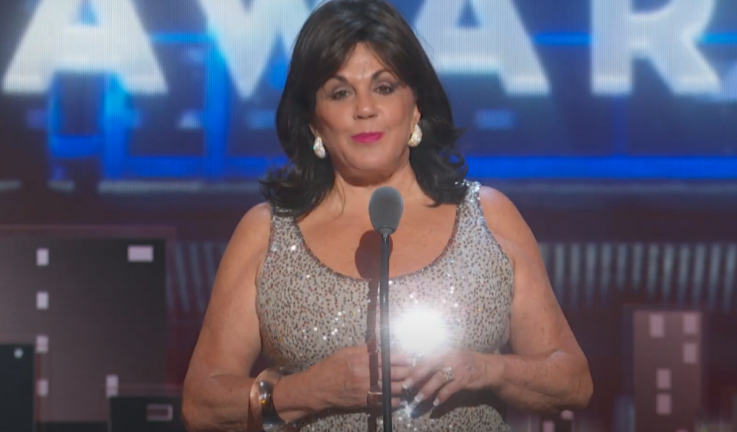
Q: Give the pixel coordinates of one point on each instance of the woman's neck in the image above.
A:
(349, 198)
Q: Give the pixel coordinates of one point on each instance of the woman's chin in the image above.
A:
(369, 165)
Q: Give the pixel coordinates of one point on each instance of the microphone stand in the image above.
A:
(386, 381)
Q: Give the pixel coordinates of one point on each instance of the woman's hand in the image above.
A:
(440, 376)
(343, 380)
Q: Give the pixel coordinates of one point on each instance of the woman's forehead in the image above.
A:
(363, 61)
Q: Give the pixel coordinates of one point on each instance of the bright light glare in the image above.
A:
(421, 332)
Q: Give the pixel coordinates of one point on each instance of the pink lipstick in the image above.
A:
(367, 138)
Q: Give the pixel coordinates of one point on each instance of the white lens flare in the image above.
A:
(421, 332)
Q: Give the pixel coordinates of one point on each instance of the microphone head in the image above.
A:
(385, 209)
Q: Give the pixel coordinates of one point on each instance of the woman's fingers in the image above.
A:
(436, 382)
(421, 372)
(442, 376)
(398, 373)
(397, 388)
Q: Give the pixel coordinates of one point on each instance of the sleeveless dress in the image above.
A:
(307, 311)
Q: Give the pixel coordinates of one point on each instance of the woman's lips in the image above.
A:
(367, 138)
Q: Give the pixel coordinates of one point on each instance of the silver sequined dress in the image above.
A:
(307, 311)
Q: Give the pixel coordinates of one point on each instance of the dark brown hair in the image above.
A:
(325, 42)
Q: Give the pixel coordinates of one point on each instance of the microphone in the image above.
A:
(385, 210)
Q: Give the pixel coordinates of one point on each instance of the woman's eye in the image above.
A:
(339, 94)
(386, 89)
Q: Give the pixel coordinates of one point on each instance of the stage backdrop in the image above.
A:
(123, 91)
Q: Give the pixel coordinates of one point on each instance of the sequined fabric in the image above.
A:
(307, 311)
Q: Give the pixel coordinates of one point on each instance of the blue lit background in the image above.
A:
(203, 130)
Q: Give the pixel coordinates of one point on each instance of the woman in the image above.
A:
(363, 108)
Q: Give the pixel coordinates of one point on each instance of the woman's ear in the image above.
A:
(314, 131)
(416, 116)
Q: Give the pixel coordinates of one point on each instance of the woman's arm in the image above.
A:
(217, 386)
(547, 371)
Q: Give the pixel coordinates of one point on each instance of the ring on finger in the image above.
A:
(448, 374)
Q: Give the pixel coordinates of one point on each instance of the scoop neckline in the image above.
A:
(449, 243)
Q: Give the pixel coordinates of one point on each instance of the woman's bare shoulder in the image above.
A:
(507, 224)
(251, 237)
(257, 218)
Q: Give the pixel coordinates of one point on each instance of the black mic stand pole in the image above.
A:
(386, 380)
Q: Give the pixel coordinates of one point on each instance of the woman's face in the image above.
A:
(365, 117)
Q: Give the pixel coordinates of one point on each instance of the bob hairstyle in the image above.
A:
(324, 44)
